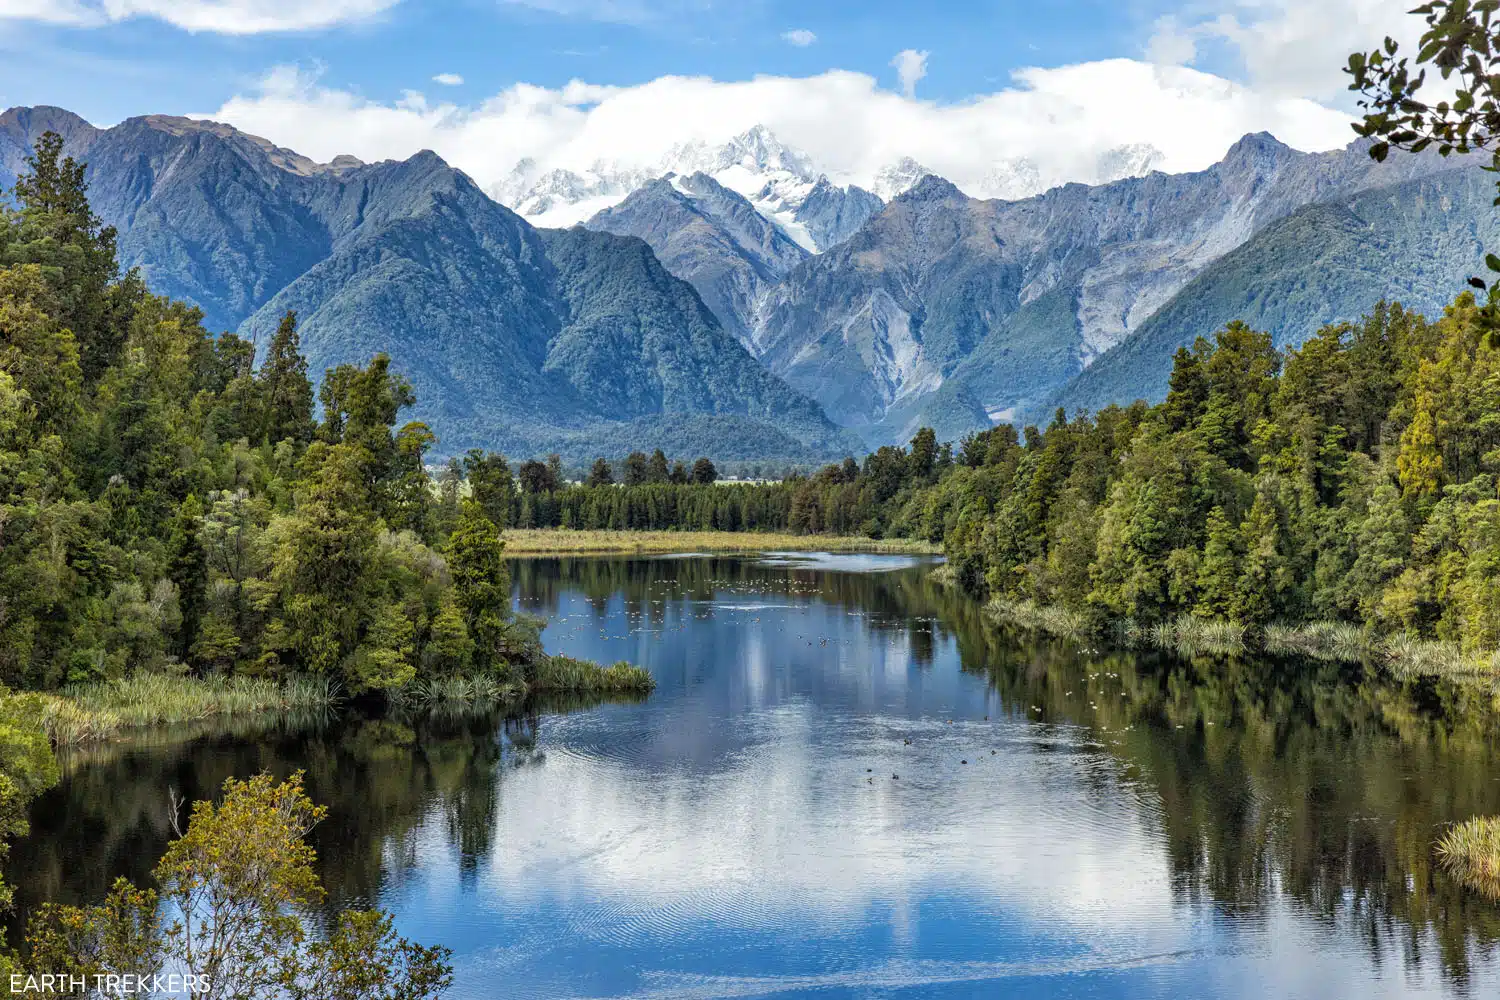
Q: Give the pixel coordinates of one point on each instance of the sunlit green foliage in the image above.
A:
(1352, 479)
(240, 885)
(168, 506)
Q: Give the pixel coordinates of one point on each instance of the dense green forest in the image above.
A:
(164, 501)
(653, 494)
(1351, 479)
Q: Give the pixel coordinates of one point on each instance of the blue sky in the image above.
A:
(567, 82)
(142, 64)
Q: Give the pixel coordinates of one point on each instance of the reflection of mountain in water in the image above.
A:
(1129, 796)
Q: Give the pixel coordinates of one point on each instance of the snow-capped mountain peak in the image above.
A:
(895, 179)
(774, 177)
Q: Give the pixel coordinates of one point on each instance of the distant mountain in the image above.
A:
(1415, 243)
(749, 301)
(711, 236)
(514, 338)
(943, 306)
(20, 128)
(780, 183)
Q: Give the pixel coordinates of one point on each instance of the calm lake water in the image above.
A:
(846, 786)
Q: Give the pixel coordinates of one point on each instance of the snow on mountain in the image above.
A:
(781, 182)
(898, 178)
(775, 178)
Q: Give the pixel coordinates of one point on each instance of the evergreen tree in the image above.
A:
(1218, 572)
(481, 583)
(657, 471)
(704, 472)
(286, 392)
(491, 485)
(601, 474)
(637, 469)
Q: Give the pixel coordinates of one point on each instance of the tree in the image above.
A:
(481, 582)
(923, 455)
(536, 478)
(286, 391)
(242, 890)
(1218, 571)
(60, 232)
(637, 469)
(704, 472)
(679, 475)
(600, 474)
(657, 471)
(491, 485)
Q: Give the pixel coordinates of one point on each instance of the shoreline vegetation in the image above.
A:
(1470, 852)
(1333, 642)
(94, 713)
(569, 541)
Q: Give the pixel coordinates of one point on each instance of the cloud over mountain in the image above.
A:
(1058, 120)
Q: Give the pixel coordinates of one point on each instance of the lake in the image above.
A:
(847, 785)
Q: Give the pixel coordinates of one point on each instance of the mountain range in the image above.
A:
(733, 300)
(515, 338)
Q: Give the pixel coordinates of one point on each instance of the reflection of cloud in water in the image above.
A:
(846, 562)
(793, 826)
(891, 975)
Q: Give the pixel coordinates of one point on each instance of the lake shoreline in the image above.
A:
(110, 710)
(1186, 635)
(569, 541)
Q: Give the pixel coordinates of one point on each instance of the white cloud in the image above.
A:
(48, 12)
(228, 17)
(1171, 44)
(449, 79)
(1062, 119)
(911, 66)
(799, 37)
(1290, 46)
(609, 11)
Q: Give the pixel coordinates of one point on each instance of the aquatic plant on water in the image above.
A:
(564, 673)
(1470, 852)
(103, 710)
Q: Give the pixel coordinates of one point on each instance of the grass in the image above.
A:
(564, 541)
(1191, 636)
(1470, 852)
(558, 674)
(1339, 642)
(1187, 635)
(458, 689)
(553, 675)
(87, 713)
(1049, 618)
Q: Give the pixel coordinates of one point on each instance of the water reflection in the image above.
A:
(846, 785)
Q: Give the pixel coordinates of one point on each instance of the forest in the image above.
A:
(165, 503)
(1350, 479)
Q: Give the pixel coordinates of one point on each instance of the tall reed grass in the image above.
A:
(1191, 636)
(564, 673)
(1050, 618)
(84, 713)
(1470, 852)
(475, 690)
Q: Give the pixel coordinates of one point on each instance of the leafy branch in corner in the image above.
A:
(1462, 42)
